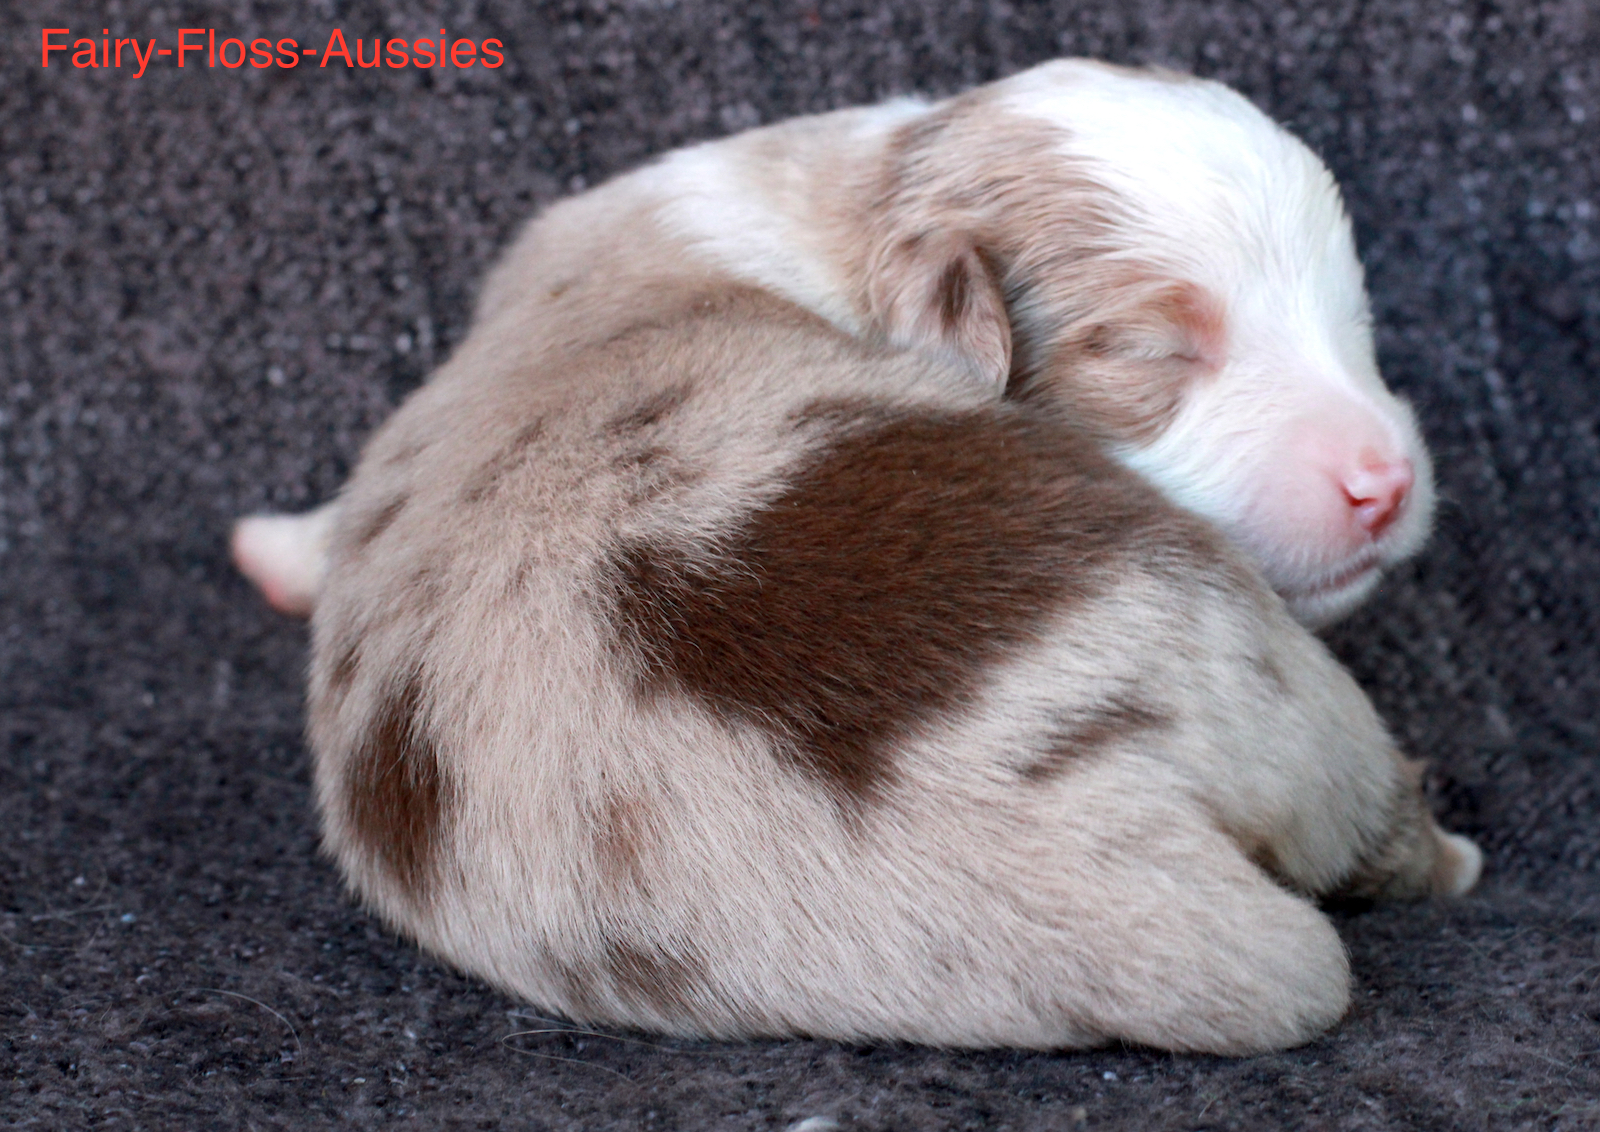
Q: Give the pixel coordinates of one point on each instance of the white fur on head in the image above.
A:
(1293, 445)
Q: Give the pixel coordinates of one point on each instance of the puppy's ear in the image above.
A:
(939, 293)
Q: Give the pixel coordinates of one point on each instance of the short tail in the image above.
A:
(285, 556)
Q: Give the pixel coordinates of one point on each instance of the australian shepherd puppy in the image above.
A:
(793, 609)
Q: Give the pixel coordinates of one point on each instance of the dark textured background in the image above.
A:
(213, 284)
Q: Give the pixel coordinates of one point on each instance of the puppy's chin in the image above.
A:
(1319, 595)
(1319, 601)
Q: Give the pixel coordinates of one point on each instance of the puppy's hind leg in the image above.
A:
(285, 556)
(1194, 948)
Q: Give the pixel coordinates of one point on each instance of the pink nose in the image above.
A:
(1377, 491)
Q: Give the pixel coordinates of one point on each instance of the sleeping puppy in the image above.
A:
(1145, 251)
(696, 666)
(769, 646)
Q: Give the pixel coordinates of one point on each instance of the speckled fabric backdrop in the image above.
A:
(214, 283)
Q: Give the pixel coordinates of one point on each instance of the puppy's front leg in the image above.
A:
(1416, 858)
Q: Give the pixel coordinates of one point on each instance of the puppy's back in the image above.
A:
(755, 681)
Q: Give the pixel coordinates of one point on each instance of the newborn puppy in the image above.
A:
(1145, 251)
(696, 666)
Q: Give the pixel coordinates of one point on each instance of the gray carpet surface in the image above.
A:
(213, 285)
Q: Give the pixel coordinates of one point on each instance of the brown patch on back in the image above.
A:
(343, 671)
(1268, 668)
(648, 412)
(870, 597)
(378, 522)
(487, 479)
(1083, 733)
(396, 793)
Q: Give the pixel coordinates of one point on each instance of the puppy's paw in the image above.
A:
(1457, 867)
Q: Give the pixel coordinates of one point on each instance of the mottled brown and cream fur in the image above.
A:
(1146, 251)
(716, 672)
(768, 635)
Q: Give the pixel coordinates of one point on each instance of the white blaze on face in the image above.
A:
(1322, 485)
(1292, 444)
